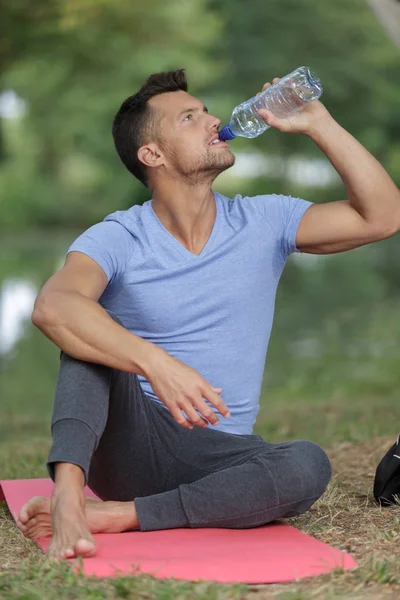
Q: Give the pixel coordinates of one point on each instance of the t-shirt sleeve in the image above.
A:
(109, 244)
(283, 214)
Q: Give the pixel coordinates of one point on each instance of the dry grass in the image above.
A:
(346, 517)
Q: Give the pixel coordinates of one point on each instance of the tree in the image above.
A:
(388, 13)
(74, 62)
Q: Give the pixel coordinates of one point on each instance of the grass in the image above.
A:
(346, 517)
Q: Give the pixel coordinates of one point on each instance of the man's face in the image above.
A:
(186, 130)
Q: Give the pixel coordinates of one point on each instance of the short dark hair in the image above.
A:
(136, 122)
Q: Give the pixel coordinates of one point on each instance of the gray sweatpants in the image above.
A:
(131, 448)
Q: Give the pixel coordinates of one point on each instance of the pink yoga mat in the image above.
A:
(271, 553)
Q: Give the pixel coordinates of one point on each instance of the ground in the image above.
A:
(346, 517)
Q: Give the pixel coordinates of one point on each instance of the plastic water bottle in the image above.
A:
(283, 98)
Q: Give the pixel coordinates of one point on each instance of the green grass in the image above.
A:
(58, 581)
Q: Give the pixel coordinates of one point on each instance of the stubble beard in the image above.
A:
(213, 165)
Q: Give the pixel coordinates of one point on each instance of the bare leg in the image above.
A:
(71, 517)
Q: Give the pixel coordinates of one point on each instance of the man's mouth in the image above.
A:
(217, 142)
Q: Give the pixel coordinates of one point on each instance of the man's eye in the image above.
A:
(187, 116)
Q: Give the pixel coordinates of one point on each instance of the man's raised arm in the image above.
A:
(372, 210)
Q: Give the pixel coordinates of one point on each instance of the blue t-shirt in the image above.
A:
(213, 311)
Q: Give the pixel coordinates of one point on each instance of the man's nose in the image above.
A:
(213, 123)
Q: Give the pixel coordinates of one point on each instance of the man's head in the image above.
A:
(163, 130)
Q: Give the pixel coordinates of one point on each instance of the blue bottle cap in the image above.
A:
(226, 134)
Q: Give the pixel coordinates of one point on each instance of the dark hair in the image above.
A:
(136, 122)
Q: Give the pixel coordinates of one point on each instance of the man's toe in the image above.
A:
(31, 508)
(38, 532)
(85, 547)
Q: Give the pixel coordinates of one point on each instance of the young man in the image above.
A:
(162, 307)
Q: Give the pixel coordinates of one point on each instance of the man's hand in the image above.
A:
(302, 121)
(181, 387)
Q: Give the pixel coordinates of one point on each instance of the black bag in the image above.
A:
(387, 477)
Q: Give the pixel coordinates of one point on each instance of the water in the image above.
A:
(282, 101)
(285, 97)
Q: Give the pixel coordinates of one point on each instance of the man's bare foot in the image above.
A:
(35, 517)
(74, 518)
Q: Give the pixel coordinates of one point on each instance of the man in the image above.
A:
(159, 304)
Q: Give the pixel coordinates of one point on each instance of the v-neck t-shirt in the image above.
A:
(213, 311)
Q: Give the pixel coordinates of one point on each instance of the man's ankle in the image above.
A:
(68, 473)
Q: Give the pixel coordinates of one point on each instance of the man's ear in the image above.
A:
(150, 155)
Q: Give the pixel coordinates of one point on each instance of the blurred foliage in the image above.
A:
(75, 61)
(341, 41)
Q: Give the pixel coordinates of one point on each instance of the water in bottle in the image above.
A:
(283, 98)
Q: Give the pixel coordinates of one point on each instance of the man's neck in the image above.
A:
(187, 212)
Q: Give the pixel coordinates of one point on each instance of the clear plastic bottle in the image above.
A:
(283, 98)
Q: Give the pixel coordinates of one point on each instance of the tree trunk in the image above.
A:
(388, 13)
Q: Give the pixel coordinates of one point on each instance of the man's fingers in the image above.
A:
(219, 404)
(203, 411)
(179, 417)
(268, 84)
(215, 400)
(269, 118)
(195, 417)
(198, 412)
